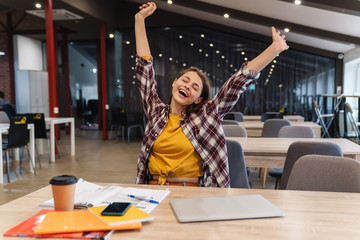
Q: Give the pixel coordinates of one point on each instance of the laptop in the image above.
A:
(224, 208)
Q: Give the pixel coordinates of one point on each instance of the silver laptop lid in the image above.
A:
(224, 208)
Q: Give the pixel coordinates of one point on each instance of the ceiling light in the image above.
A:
(180, 36)
(222, 56)
(170, 59)
(245, 59)
(192, 44)
(226, 15)
(211, 44)
(127, 42)
(202, 35)
(242, 53)
(170, 2)
(184, 64)
(297, 2)
(286, 29)
(274, 61)
(38, 5)
(111, 35)
(272, 66)
(160, 55)
(2, 53)
(217, 51)
(200, 50)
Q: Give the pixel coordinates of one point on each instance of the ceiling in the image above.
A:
(328, 27)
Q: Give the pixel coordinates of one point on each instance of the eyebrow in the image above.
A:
(190, 79)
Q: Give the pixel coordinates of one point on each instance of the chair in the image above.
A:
(230, 122)
(301, 148)
(237, 167)
(4, 117)
(325, 173)
(272, 127)
(290, 132)
(234, 131)
(18, 137)
(271, 115)
(238, 116)
(320, 119)
(352, 121)
(123, 120)
(296, 132)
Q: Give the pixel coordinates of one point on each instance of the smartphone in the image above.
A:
(116, 209)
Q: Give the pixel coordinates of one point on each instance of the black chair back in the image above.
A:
(271, 115)
(18, 132)
(40, 126)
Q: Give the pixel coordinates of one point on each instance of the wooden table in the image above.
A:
(60, 120)
(309, 215)
(254, 128)
(4, 127)
(271, 152)
(292, 118)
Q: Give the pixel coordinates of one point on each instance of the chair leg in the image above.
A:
(37, 155)
(7, 166)
(277, 183)
(264, 178)
(128, 131)
(30, 158)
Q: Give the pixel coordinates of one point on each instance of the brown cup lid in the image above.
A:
(63, 180)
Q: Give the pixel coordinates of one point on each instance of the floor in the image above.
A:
(95, 161)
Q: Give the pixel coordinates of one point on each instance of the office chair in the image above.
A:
(237, 116)
(230, 122)
(234, 131)
(237, 166)
(325, 173)
(18, 137)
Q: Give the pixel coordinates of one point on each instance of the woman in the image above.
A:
(184, 143)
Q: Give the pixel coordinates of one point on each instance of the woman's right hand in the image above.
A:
(146, 10)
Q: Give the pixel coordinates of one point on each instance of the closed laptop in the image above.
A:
(224, 208)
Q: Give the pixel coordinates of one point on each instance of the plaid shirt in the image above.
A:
(203, 128)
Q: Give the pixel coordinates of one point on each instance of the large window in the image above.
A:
(292, 81)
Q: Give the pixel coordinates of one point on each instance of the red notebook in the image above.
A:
(26, 229)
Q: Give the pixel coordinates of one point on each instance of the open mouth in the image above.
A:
(182, 92)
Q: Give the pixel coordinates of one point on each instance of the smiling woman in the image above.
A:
(184, 143)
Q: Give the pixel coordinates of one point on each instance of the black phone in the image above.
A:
(116, 209)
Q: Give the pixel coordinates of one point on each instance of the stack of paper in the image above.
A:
(90, 194)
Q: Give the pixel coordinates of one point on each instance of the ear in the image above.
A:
(199, 100)
(174, 82)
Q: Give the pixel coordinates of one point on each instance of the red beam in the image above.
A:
(51, 67)
(103, 79)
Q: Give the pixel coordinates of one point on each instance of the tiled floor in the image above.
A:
(95, 161)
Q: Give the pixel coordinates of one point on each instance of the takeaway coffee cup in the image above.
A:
(63, 189)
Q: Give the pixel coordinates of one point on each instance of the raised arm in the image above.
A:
(278, 45)
(142, 44)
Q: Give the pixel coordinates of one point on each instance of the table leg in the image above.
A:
(52, 142)
(32, 148)
(264, 178)
(72, 137)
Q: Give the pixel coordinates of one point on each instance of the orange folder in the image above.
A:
(77, 221)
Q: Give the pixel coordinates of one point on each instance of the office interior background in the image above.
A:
(321, 59)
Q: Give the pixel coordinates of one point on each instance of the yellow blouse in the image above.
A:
(173, 155)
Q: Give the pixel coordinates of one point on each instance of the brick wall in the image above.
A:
(4, 66)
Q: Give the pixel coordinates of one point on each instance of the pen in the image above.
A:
(143, 199)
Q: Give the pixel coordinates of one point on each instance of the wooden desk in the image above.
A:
(60, 120)
(309, 215)
(271, 152)
(292, 118)
(254, 128)
(4, 127)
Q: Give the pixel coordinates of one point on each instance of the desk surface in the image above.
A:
(295, 118)
(309, 215)
(271, 152)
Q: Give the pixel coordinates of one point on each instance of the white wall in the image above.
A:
(28, 53)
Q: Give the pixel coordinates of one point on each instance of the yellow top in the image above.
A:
(146, 57)
(173, 155)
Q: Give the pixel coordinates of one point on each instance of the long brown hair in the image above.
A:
(205, 94)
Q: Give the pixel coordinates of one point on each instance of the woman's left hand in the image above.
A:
(279, 40)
